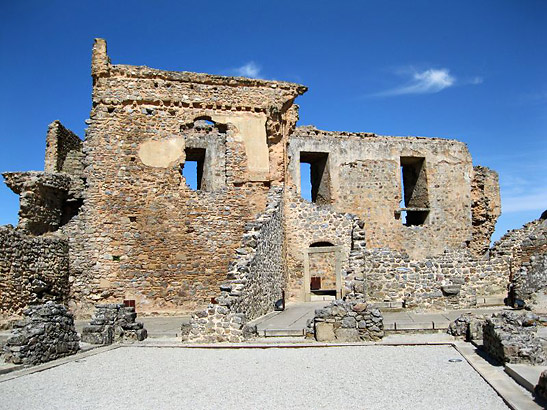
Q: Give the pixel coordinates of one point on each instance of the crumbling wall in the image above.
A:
(524, 251)
(63, 150)
(42, 196)
(511, 337)
(256, 280)
(485, 208)
(365, 173)
(32, 270)
(46, 333)
(145, 234)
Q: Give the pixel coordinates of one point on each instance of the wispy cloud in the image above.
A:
(423, 82)
(533, 201)
(251, 70)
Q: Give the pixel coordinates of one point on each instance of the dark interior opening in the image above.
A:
(319, 244)
(414, 189)
(319, 176)
(192, 170)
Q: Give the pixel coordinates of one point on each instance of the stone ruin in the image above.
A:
(510, 337)
(113, 323)
(351, 321)
(46, 333)
(391, 220)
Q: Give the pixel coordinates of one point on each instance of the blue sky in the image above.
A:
(470, 70)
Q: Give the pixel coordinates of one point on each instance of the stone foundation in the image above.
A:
(113, 323)
(510, 337)
(469, 326)
(47, 333)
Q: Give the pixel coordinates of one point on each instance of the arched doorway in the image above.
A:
(322, 277)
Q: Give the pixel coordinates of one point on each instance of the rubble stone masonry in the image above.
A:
(113, 218)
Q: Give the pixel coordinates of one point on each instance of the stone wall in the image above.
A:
(365, 180)
(511, 337)
(143, 233)
(32, 270)
(525, 252)
(351, 321)
(63, 150)
(255, 282)
(308, 224)
(47, 333)
(485, 208)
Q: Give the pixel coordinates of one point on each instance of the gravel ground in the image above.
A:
(364, 377)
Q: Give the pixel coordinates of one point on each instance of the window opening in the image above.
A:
(319, 176)
(414, 193)
(192, 170)
(305, 181)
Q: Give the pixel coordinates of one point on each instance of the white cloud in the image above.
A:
(425, 82)
(251, 70)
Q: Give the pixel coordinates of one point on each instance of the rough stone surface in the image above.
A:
(256, 280)
(33, 270)
(113, 323)
(46, 333)
(346, 321)
(409, 219)
(469, 326)
(511, 337)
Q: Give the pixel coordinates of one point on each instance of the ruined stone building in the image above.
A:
(401, 221)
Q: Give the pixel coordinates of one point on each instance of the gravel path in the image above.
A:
(365, 377)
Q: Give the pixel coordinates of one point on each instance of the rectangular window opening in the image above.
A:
(192, 169)
(315, 177)
(414, 191)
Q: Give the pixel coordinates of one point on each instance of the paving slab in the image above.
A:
(525, 374)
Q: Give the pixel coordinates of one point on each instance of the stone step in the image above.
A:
(282, 332)
(490, 300)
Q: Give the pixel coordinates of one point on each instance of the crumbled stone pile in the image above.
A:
(113, 323)
(469, 326)
(347, 321)
(511, 337)
(46, 333)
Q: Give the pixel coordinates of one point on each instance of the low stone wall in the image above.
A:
(510, 337)
(113, 323)
(255, 281)
(468, 326)
(33, 270)
(47, 333)
(447, 281)
(347, 321)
